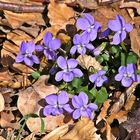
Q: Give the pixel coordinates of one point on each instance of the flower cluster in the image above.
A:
(57, 104)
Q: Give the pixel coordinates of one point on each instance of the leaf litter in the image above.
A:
(21, 97)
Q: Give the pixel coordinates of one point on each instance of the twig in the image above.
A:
(20, 8)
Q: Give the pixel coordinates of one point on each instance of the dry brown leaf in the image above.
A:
(57, 133)
(6, 120)
(5, 76)
(2, 103)
(83, 130)
(60, 14)
(135, 41)
(90, 4)
(103, 112)
(17, 36)
(51, 122)
(86, 61)
(17, 19)
(2, 138)
(28, 101)
(43, 88)
(30, 137)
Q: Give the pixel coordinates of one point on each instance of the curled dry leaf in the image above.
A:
(2, 103)
(60, 14)
(51, 122)
(6, 120)
(28, 101)
(43, 88)
(84, 129)
(103, 112)
(86, 62)
(135, 41)
(57, 133)
(17, 19)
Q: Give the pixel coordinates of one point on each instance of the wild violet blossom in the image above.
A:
(89, 26)
(57, 104)
(82, 108)
(51, 45)
(26, 54)
(69, 70)
(120, 27)
(81, 43)
(127, 75)
(98, 78)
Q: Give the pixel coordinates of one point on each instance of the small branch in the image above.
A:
(20, 8)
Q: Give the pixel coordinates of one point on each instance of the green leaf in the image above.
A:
(105, 57)
(114, 49)
(102, 96)
(77, 82)
(35, 75)
(132, 58)
(93, 92)
(100, 59)
(42, 129)
(123, 59)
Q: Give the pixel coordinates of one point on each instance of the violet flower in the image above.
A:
(82, 108)
(80, 44)
(98, 78)
(127, 75)
(69, 70)
(51, 45)
(89, 26)
(57, 104)
(26, 53)
(120, 27)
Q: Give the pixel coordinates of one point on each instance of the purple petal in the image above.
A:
(73, 50)
(96, 51)
(131, 68)
(59, 76)
(77, 72)
(47, 38)
(82, 50)
(72, 63)
(28, 61)
(97, 26)
(50, 54)
(121, 20)
(57, 111)
(84, 113)
(62, 62)
(51, 99)
(101, 72)
(92, 106)
(54, 44)
(76, 102)
(84, 39)
(23, 47)
(122, 69)
(93, 77)
(82, 23)
(19, 58)
(128, 27)
(126, 81)
(90, 46)
(118, 77)
(119, 37)
(30, 47)
(77, 39)
(76, 114)
(93, 34)
(63, 98)
(83, 97)
(68, 108)
(35, 59)
(105, 33)
(68, 76)
(136, 78)
(99, 83)
(114, 25)
(39, 48)
(47, 110)
(89, 17)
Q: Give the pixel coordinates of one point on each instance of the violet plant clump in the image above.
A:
(69, 70)
(26, 54)
(51, 45)
(127, 75)
(89, 26)
(120, 27)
